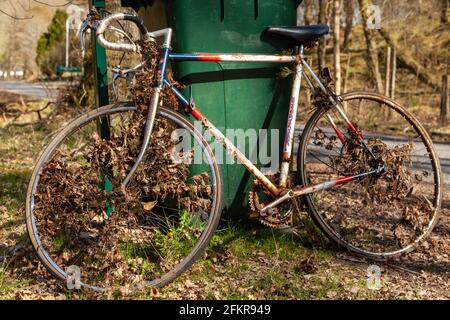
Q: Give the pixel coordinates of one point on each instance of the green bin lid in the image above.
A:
(136, 4)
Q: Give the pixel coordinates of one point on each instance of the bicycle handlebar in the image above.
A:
(104, 24)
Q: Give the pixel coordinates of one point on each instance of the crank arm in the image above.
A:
(287, 196)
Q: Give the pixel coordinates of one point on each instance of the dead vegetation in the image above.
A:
(384, 212)
(239, 264)
(85, 218)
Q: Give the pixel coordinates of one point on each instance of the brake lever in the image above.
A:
(90, 23)
(118, 73)
(83, 29)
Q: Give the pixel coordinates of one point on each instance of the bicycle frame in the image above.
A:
(301, 68)
(228, 145)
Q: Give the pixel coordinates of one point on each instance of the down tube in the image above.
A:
(224, 141)
(289, 136)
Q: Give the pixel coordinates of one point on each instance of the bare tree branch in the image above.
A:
(53, 5)
(15, 17)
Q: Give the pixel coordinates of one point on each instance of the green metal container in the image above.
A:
(233, 95)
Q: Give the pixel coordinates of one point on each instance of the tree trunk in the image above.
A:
(406, 60)
(349, 8)
(347, 72)
(337, 44)
(372, 54)
(444, 11)
(394, 73)
(346, 75)
(445, 100)
(308, 16)
(322, 53)
(388, 71)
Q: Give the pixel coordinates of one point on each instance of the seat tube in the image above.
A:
(292, 117)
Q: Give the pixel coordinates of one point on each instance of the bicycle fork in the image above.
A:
(151, 115)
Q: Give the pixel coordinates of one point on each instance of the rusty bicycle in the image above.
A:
(132, 206)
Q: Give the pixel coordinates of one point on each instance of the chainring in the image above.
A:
(278, 217)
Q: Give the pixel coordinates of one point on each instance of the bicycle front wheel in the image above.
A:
(148, 235)
(382, 216)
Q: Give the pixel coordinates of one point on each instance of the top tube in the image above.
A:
(233, 57)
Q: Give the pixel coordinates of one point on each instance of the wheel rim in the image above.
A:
(178, 266)
(316, 202)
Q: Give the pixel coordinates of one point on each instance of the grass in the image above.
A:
(6, 282)
(240, 262)
(260, 264)
(179, 239)
(246, 264)
(18, 148)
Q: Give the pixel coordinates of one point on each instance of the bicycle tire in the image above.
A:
(325, 226)
(77, 123)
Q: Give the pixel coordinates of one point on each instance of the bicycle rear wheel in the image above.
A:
(382, 216)
(75, 215)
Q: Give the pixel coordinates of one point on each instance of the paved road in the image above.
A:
(38, 90)
(443, 150)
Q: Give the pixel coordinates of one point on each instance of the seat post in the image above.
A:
(299, 50)
(292, 116)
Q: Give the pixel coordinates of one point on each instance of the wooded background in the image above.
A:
(398, 48)
(405, 57)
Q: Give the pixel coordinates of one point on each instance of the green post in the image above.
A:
(100, 74)
(101, 92)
